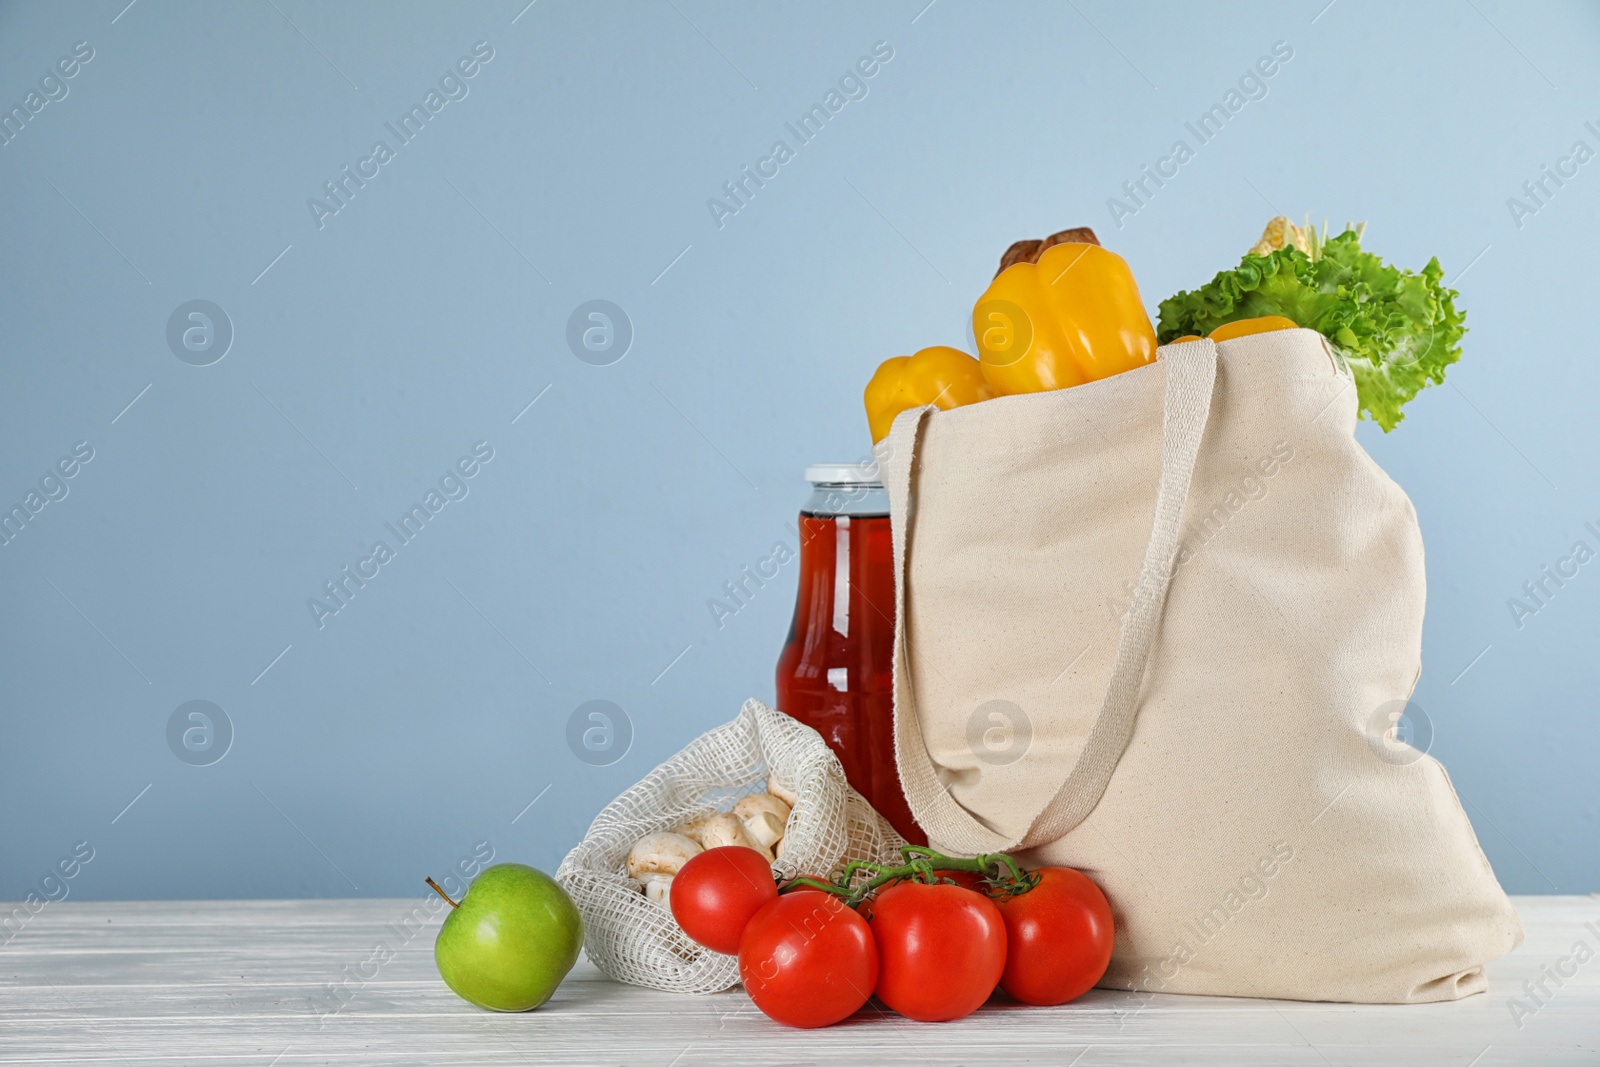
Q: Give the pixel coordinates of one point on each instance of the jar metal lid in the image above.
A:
(866, 474)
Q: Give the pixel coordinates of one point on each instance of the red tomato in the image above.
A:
(716, 893)
(941, 949)
(1059, 935)
(807, 960)
(964, 879)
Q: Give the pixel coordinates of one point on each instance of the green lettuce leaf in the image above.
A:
(1397, 329)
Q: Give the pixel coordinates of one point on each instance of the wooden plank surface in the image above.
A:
(290, 983)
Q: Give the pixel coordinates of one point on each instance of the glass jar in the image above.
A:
(836, 673)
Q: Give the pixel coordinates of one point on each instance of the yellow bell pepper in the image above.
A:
(1073, 316)
(939, 375)
(1242, 328)
(1245, 327)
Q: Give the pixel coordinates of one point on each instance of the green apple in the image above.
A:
(511, 940)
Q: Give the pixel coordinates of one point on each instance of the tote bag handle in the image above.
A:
(1191, 372)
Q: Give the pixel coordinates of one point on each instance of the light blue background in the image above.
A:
(427, 314)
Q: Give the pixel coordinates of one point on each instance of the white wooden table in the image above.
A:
(243, 982)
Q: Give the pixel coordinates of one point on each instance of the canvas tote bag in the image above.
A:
(1158, 628)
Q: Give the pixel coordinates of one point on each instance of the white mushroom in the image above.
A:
(660, 854)
(756, 803)
(777, 789)
(725, 828)
(692, 828)
(658, 887)
(764, 828)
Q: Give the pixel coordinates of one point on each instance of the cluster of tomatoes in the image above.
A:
(931, 938)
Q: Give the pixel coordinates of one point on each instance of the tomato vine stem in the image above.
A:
(999, 874)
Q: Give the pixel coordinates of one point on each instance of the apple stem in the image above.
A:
(442, 893)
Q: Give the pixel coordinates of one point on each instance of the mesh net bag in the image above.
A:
(634, 939)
